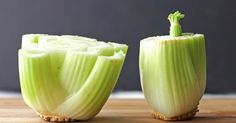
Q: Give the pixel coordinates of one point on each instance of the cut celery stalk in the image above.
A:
(68, 77)
(173, 72)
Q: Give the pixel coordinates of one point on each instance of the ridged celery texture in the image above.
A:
(173, 71)
(65, 78)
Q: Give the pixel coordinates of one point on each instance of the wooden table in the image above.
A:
(126, 111)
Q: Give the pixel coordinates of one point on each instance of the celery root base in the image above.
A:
(54, 118)
(186, 116)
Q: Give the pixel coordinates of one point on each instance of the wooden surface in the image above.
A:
(126, 111)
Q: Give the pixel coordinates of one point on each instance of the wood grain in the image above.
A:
(126, 111)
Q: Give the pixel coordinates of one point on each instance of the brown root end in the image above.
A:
(185, 116)
(54, 118)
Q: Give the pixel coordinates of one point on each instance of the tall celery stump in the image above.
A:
(66, 78)
(173, 71)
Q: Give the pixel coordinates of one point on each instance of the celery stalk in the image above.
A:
(173, 72)
(67, 77)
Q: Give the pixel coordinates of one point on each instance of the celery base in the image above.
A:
(54, 118)
(186, 116)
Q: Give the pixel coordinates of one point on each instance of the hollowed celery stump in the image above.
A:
(173, 71)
